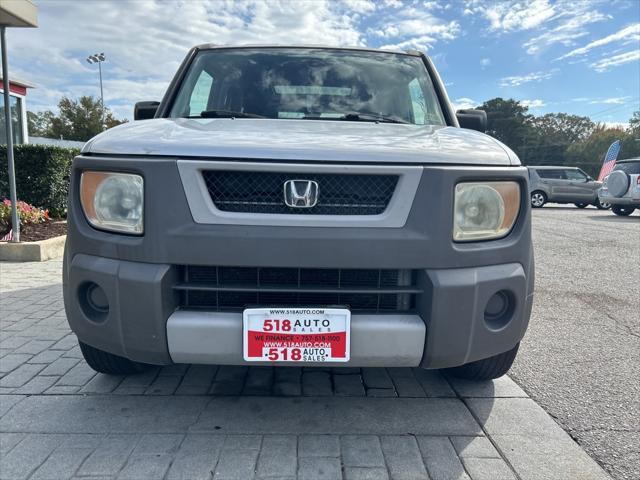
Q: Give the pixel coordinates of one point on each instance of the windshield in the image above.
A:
(631, 168)
(314, 84)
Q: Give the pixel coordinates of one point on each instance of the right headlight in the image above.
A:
(484, 210)
(113, 201)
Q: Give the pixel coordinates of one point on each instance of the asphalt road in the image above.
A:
(580, 359)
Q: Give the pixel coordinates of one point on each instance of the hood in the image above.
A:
(313, 140)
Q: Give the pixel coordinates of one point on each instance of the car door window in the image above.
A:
(576, 175)
(552, 174)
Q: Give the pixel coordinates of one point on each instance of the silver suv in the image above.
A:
(563, 185)
(277, 208)
(621, 188)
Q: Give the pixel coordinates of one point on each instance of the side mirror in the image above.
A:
(145, 110)
(472, 119)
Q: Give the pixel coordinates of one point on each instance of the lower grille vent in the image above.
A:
(236, 288)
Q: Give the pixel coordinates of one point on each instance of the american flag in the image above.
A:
(8, 237)
(609, 160)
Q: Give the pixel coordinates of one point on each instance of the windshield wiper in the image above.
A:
(371, 117)
(226, 114)
(358, 117)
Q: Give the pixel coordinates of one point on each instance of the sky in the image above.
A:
(579, 57)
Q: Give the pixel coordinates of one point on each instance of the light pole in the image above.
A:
(99, 58)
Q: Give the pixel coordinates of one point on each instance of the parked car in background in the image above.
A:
(621, 188)
(563, 185)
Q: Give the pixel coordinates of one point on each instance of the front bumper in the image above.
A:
(446, 326)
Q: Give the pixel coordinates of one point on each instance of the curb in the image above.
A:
(39, 251)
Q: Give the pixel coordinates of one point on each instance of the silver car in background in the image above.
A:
(563, 185)
(621, 188)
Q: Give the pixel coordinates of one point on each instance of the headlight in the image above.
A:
(113, 201)
(484, 210)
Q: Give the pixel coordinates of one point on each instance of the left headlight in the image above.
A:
(113, 201)
(484, 210)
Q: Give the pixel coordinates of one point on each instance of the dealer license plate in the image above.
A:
(299, 335)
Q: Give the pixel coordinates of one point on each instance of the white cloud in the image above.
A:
(485, 62)
(537, 103)
(611, 101)
(401, 28)
(512, 15)
(630, 34)
(609, 62)
(145, 41)
(464, 103)
(360, 6)
(514, 81)
(570, 26)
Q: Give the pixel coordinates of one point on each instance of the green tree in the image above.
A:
(509, 121)
(590, 153)
(81, 119)
(552, 134)
(634, 124)
(78, 120)
(39, 124)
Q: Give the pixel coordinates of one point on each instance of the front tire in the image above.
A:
(602, 206)
(105, 362)
(538, 199)
(581, 205)
(622, 210)
(487, 368)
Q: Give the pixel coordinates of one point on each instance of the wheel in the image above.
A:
(602, 205)
(538, 199)
(487, 368)
(581, 205)
(105, 362)
(622, 210)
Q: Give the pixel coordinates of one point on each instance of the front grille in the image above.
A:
(236, 288)
(263, 192)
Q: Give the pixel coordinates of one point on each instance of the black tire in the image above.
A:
(622, 210)
(487, 368)
(602, 206)
(105, 362)
(581, 205)
(538, 199)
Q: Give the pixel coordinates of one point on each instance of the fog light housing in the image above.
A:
(499, 309)
(484, 210)
(93, 301)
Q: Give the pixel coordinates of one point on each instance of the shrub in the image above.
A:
(42, 175)
(28, 215)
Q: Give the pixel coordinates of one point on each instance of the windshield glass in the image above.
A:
(315, 84)
(631, 168)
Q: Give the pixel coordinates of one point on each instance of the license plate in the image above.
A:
(298, 335)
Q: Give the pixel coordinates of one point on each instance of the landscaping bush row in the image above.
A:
(42, 175)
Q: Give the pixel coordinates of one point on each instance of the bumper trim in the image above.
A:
(216, 338)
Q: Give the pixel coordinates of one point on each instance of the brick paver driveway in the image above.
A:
(59, 419)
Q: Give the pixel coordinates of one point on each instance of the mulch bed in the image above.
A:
(42, 231)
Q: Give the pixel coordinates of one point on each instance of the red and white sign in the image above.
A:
(299, 335)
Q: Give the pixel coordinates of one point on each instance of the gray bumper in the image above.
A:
(447, 329)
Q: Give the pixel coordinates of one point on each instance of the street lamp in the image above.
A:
(99, 58)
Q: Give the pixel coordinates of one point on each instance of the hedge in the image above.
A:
(42, 175)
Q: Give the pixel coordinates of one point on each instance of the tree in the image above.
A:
(38, 124)
(509, 122)
(634, 124)
(78, 120)
(552, 134)
(590, 153)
